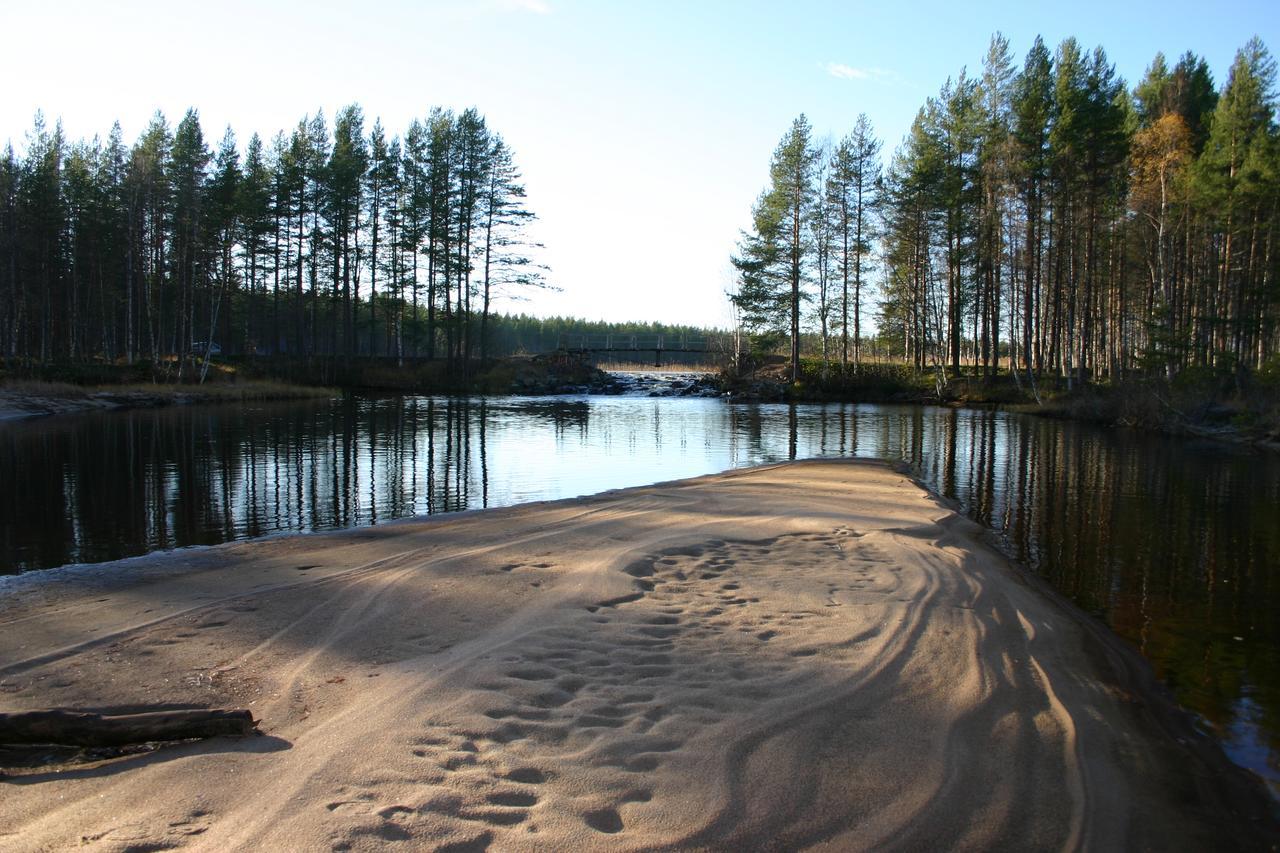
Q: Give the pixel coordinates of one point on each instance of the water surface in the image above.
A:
(1174, 543)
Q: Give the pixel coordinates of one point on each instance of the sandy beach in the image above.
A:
(812, 655)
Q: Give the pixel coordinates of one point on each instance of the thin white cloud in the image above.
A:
(849, 72)
(537, 7)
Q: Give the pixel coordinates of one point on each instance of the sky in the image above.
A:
(643, 130)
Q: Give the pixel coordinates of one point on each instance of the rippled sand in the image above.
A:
(806, 655)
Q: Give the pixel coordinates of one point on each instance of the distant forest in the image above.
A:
(322, 241)
(1047, 219)
(515, 334)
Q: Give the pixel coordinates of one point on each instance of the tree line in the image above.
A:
(336, 241)
(515, 334)
(1046, 219)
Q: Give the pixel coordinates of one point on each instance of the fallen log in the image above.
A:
(77, 728)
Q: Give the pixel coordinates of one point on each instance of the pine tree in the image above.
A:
(295, 167)
(822, 235)
(1033, 108)
(394, 186)
(188, 160)
(440, 187)
(1237, 179)
(1187, 91)
(774, 260)
(257, 229)
(150, 200)
(995, 177)
(320, 244)
(471, 152)
(415, 219)
(11, 318)
(113, 276)
(852, 191)
(41, 214)
(913, 227)
(222, 222)
(79, 190)
(377, 180)
(505, 262)
(956, 130)
(348, 162)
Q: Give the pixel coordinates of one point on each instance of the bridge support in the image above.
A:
(657, 358)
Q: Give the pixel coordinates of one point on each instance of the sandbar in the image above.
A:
(814, 655)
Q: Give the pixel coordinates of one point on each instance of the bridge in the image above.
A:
(656, 344)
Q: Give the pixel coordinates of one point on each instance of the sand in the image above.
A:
(813, 655)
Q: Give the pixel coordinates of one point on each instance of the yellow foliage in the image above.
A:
(1158, 154)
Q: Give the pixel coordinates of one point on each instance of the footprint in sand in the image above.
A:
(602, 703)
(604, 820)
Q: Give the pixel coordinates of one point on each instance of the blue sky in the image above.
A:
(643, 130)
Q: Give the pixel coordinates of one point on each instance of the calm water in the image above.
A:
(1175, 544)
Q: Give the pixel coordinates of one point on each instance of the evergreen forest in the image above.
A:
(1043, 217)
(324, 240)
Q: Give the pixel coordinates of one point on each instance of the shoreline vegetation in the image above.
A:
(1208, 404)
(58, 389)
(30, 399)
(625, 668)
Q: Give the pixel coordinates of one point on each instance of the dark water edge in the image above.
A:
(1173, 543)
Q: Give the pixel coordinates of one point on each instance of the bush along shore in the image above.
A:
(30, 391)
(1240, 407)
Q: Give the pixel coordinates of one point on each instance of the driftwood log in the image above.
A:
(76, 728)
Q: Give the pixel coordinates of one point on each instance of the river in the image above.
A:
(1173, 543)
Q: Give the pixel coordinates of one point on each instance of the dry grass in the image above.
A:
(263, 390)
(214, 392)
(36, 388)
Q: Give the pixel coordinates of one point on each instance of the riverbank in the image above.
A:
(23, 399)
(554, 374)
(32, 390)
(1197, 403)
(814, 653)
